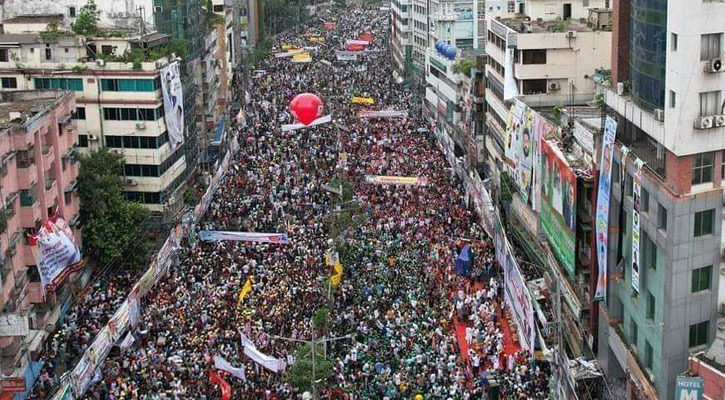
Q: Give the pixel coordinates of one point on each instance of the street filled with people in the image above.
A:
(401, 323)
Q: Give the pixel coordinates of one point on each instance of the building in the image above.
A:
(125, 14)
(666, 95)
(401, 37)
(37, 177)
(710, 367)
(119, 102)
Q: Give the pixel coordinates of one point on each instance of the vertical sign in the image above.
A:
(605, 185)
(688, 388)
(173, 103)
(636, 188)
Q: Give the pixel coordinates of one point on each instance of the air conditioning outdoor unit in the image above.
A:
(704, 122)
(554, 86)
(719, 120)
(714, 65)
(571, 34)
(659, 114)
(140, 125)
(131, 182)
(92, 138)
(101, 63)
(621, 88)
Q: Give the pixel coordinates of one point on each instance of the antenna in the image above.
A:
(144, 38)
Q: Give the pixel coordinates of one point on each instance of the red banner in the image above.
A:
(367, 38)
(223, 385)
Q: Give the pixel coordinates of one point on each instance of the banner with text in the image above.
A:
(218, 236)
(56, 253)
(382, 114)
(397, 180)
(603, 195)
(636, 191)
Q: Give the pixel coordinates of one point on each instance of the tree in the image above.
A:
(114, 229)
(300, 375)
(463, 66)
(87, 20)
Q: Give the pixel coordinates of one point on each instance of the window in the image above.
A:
(511, 6)
(80, 113)
(67, 197)
(710, 103)
(128, 85)
(701, 278)
(534, 86)
(9, 83)
(72, 12)
(633, 334)
(698, 333)
(704, 222)
(643, 200)
(650, 306)
(74, 84)
(136, 142)
(533, 56)
(4, 55)
(48, 54)
(143, 197)
(702, 166)
(673, 99)
(629, 185)
(661, 217)
(82, 140)
(648, 357)
(107, 49)
(710, 46)
(673, 42)
(650, 251)
(131, 114)
(218, 8)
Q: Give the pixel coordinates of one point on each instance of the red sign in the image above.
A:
(14, 385)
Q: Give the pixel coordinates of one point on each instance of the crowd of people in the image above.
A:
(399, 302)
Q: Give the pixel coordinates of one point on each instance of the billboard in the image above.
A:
(173, 103)
(636, 190)
(558, 204)
(604, 191)
(689, 388)
(524, 129)
(56, 253)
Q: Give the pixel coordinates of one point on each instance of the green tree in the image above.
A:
(87, 20)
(114, 229)
(300, 375)
(463, 66)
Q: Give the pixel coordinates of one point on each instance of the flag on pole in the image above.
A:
(337, 276)
(245, 291)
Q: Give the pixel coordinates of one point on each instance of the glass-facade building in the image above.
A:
(648, 52)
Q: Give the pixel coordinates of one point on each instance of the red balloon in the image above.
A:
(306, 107)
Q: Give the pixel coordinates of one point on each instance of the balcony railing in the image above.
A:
(27, 199)
(49, 184)
(46, 149)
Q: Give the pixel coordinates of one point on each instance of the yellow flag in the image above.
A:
(328, 258)
(335, 279)
(338, 267)
(245, 291)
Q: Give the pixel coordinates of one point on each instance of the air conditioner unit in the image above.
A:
(704, 122)
(714, 65)
(621, 88)
(554, 86)
(571, 34)
(659, 114)
(140, 125)
(92, 138)
(131, 182)
(719, 120)
(101, 63)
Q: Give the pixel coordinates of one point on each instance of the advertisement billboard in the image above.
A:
(636, 190)
(56, 253)
(558, 204)
(173, 103)
(604, 191)
(524, 130)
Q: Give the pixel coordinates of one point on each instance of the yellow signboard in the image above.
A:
(301, 58)
(287, 47)
(363, 100)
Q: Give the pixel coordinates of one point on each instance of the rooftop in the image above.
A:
(527, 25)
(38, 19)
(17, 107)
(20, 38)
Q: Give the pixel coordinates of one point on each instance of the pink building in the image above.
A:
(37, 176)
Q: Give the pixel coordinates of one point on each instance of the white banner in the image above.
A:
(56, 253)
(347, 55)
(127, 341)
(383, 114)
(510, 88)
(217, 236)
(222, 364)
(605, 186)
(326, 62)
(173, 103)
(271, 363)
(319, 121)
(636, 189)
(358, 42)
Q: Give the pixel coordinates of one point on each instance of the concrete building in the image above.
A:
(401, 37)
(666, 95)
(37, 176)
(119, 103)
(126, 14)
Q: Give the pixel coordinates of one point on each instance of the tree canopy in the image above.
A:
(86, 23)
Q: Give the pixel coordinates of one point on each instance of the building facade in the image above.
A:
(666, 95)
(37, 179)
(401, 37)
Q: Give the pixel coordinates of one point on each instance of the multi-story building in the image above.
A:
(666, 94)
(125, 14)
(401, 37)
(119, 103)
(37, 178)
(420, 38)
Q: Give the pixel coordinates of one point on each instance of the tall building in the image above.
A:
(666, 94)
(37, 177)
(401, 37)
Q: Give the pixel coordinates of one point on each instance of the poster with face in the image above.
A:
(56, 253)
(173, 103)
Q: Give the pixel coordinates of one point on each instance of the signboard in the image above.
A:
(397, 180)
(524, 129)
(383, 114)
(636, 190)
(689, 388)
(216, 236)
(173, 103)
(604, 191)
(14, 325)
(558, 204)
(56, 253)
(12, 385)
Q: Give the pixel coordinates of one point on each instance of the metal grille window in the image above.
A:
(702, 168)
(698, 333)
(710, 46)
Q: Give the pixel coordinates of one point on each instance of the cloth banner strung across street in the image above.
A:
(358, 42)
(382, 114)
(224, 386)
(173, 94)
(271, 363)
(347, 55)
(56, 253)
(319, 121)
(363, 100)
(259, 237)
(302, 58)
(397, 180)
(290, 53)
(127, 341)
(222, 364)
(636, 190)
(603, 196)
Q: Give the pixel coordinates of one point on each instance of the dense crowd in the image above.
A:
(400, 303)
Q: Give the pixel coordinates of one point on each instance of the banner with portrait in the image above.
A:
(636, 192)
(56, 253)
(558, 204)
(520, 142)
(173, 103)
(603, 196)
